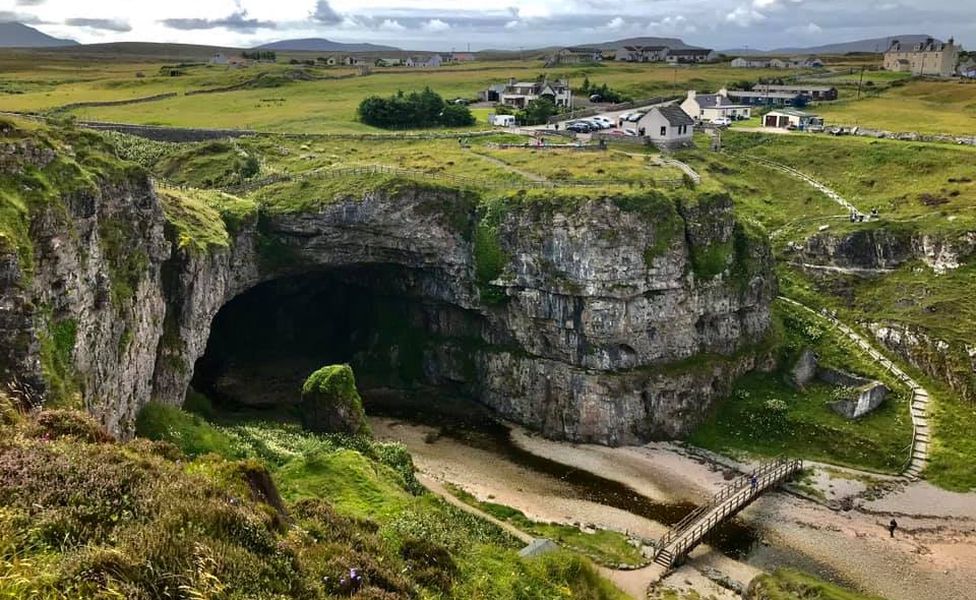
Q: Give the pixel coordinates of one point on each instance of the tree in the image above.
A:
(537, 111)
(416, 109)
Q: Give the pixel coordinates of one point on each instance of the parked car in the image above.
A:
(579, 127)
(596, 98)
(630, 132)
(594, 124)
(635, 116)
(722, 121)
(604, 122)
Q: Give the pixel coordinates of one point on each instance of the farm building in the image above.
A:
(667, 126)
(790, 118)
(765, 98)
(750, 63)
(813, 92)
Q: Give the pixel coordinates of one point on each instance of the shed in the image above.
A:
(787, 118)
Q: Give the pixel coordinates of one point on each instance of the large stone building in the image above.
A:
(930, 57)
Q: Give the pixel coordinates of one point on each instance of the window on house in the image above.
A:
(664, 131)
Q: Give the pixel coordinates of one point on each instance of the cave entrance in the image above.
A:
(264, 343)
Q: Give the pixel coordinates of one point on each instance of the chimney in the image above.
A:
(692, 94)
(511, 81)
(724, 93)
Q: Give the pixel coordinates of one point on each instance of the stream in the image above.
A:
(465, 424)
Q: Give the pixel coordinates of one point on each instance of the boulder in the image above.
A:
(804, 370)
(331, 404)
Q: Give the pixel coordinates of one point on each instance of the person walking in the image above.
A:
(753, 482)
(892, 526)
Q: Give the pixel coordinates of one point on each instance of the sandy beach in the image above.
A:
(933, 554)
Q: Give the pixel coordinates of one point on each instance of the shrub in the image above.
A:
(53, 424)
(430, 565)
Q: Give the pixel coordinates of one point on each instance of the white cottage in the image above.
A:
(667, 126)
(708, 107)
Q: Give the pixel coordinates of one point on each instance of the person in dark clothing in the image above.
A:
(753, 482)
(892, 526)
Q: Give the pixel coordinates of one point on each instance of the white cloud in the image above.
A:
(745, 16)
(436, 25)
(615, 24)
(391, 25)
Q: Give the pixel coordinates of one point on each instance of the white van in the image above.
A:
(501, 120)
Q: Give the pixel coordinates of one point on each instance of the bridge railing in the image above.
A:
(739, 490)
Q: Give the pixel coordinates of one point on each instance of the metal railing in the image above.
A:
(688, 532)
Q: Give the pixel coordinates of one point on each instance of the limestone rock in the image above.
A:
(331, 403)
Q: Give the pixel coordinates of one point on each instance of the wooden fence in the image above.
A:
(474, 183)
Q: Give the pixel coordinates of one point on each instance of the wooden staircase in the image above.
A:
(735, 496)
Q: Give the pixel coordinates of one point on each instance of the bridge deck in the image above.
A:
(735, 496)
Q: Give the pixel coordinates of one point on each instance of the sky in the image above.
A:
(503, 24)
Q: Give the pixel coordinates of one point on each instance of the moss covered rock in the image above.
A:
(331, 404)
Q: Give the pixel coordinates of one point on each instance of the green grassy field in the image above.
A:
(918, 106)
(605, 547)
(300, 106)
(767, 416)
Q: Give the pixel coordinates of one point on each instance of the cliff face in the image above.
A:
(86, 318)
(608, 320)
(882, 248)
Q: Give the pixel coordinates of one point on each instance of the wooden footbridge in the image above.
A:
(735, 496)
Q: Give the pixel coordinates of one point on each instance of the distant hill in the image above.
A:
(18, 35)
(675, 43)
(323, 45)
(148, 50)
(875, 45)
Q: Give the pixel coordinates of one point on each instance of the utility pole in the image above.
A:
(859, 83)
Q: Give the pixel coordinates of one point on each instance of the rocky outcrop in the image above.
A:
(612, 320)
(953, 363)
(86, 318)
(876, 248)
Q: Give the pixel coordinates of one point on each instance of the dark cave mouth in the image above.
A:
(264, 343)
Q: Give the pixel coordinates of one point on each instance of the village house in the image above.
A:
(518, 94)
(575, 56)
(356, 61)
(425, 62)
(642, 54)
(821, 93)
(219, 59)
(750, 63)
(667, 126)
(708, 107)
(791, 118)
(690, 55)
(389, 62)
(930, 57)
(461, 57)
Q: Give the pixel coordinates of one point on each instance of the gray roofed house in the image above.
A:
(667, 126)
(815, 92)
(690, 55)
